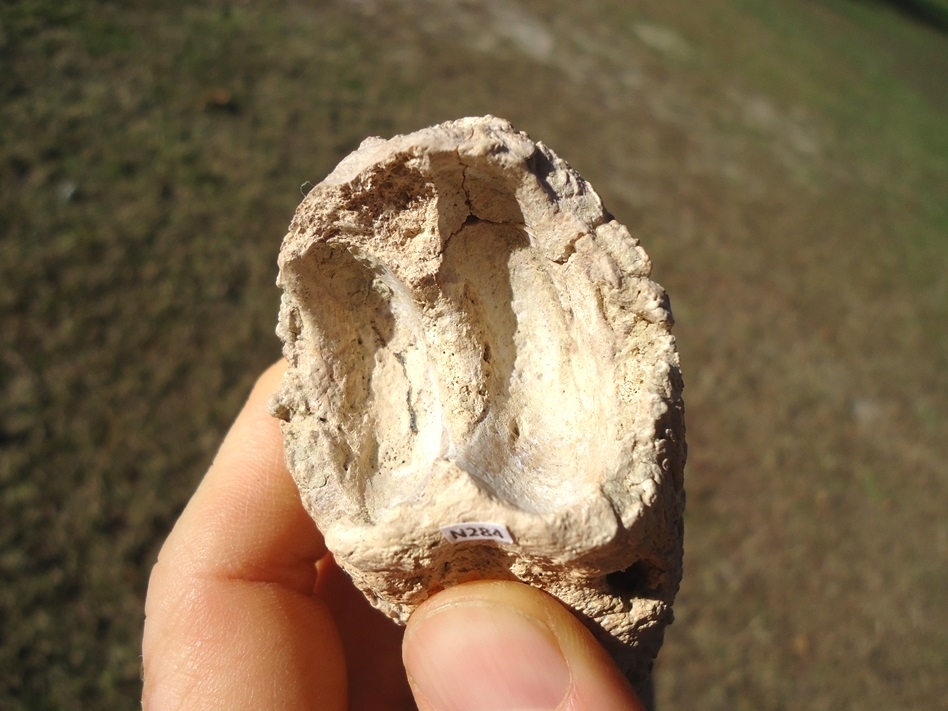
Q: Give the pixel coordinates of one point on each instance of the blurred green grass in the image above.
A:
(784, 163)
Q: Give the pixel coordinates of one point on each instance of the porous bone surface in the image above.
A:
(473, 341)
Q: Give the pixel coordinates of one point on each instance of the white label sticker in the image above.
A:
(476, 531)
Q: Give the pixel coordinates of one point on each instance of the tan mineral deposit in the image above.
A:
(483, 382)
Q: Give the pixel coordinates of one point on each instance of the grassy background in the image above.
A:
(785, 163)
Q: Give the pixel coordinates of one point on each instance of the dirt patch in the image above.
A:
(784, 164)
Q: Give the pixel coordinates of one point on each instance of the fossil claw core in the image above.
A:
(483, 382)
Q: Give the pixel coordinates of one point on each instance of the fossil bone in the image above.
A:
(482, 382)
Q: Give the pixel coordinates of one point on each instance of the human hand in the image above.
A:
(247, 610)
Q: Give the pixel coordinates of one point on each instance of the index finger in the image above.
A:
(246, 520)
(230, 615)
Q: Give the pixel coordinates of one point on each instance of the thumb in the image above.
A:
(503, 646)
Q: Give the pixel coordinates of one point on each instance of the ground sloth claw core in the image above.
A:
(483, 383)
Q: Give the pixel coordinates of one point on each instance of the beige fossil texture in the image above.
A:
(482, 382)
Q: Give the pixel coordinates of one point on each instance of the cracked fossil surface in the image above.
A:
(483, 382)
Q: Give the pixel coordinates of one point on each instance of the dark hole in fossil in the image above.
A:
(636, 580)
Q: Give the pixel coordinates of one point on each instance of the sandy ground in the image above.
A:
(785, 164)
